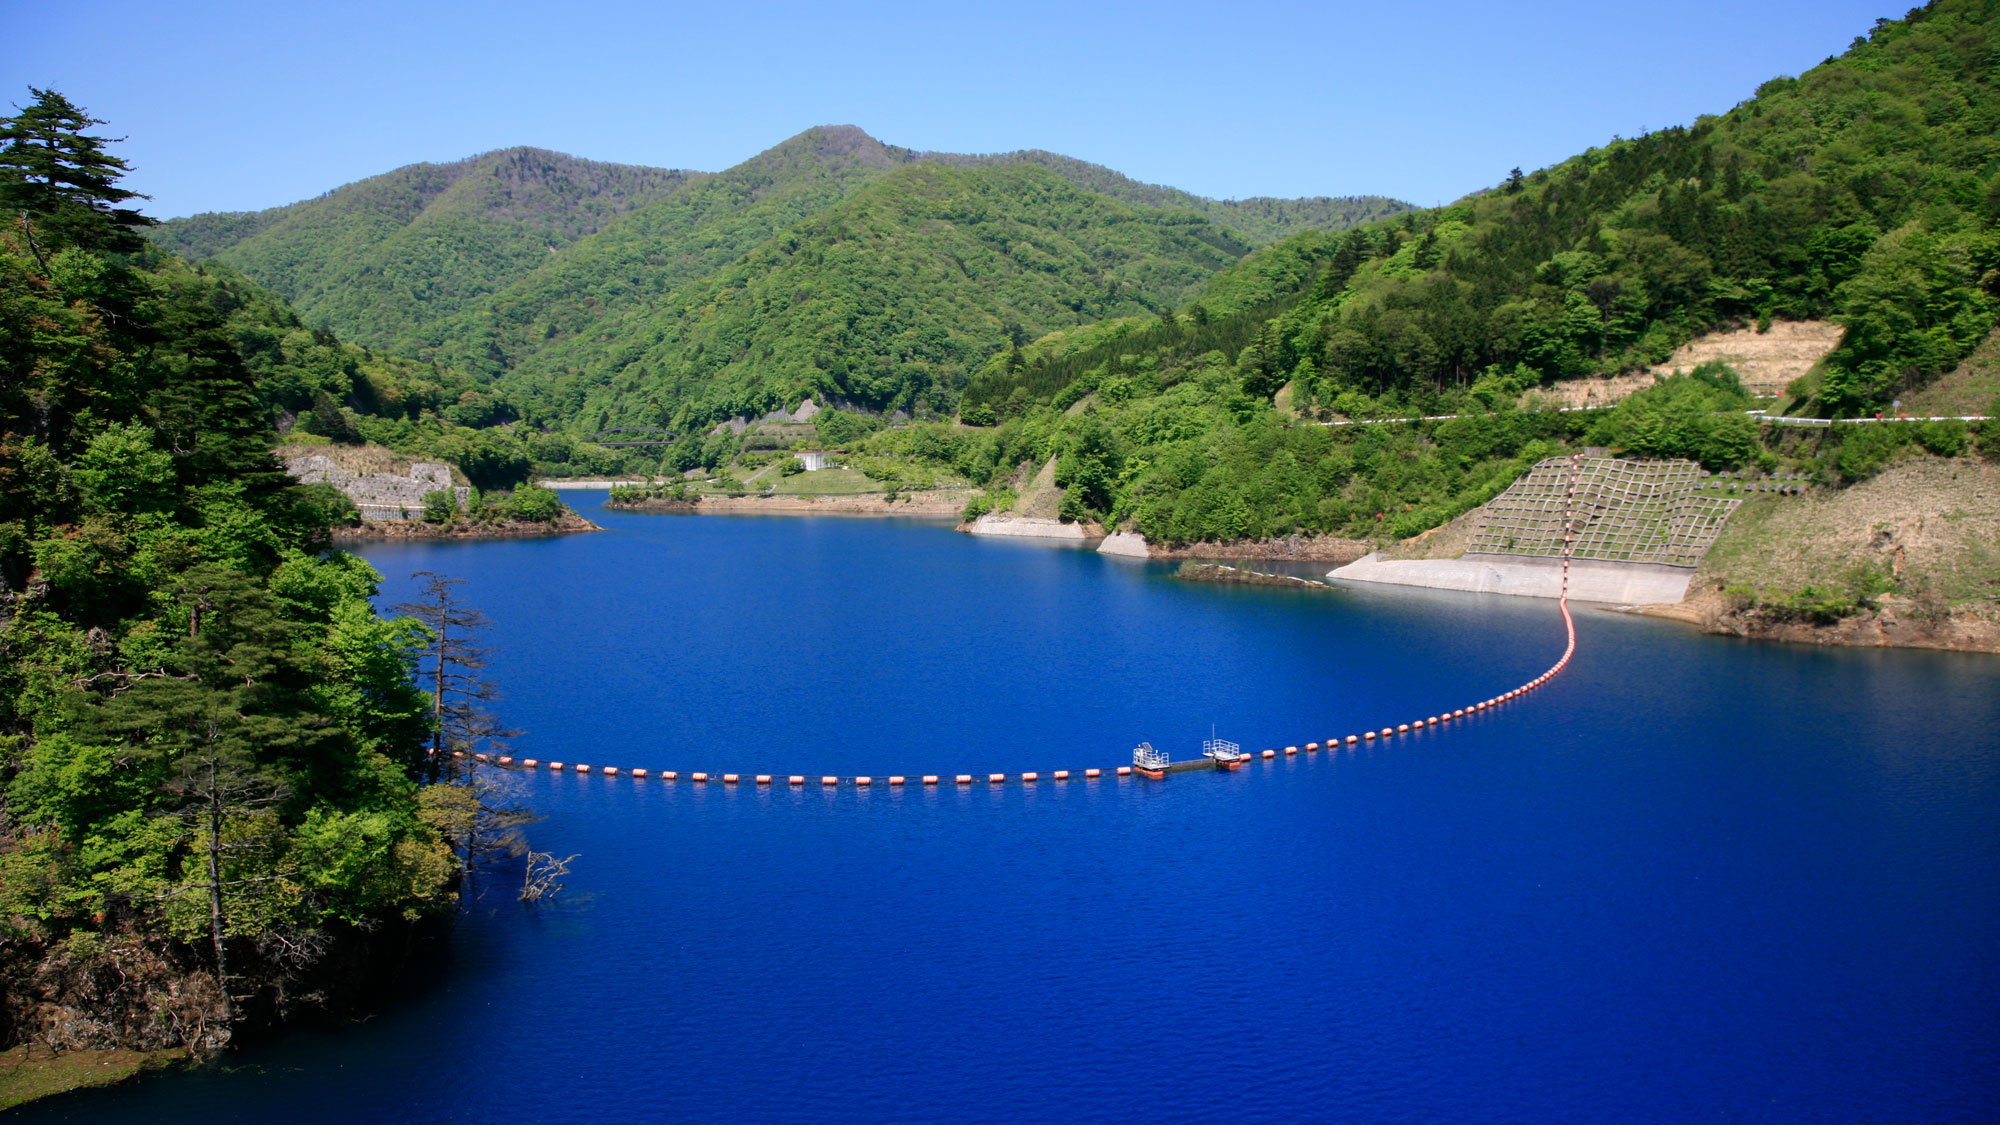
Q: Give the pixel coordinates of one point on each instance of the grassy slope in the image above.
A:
(1973, 387)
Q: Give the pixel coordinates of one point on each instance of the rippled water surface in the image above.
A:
(1692, 878)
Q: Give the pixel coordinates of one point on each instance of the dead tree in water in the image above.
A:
(542, 878)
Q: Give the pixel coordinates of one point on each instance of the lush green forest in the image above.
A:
(212, 749)
(385, 261)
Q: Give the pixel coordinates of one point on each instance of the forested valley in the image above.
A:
(218, 764)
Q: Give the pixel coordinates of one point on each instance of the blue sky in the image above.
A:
(235, 106)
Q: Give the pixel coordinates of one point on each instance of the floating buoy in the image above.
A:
(1388, 732)
(930, 779)
(996, 778)
(964, 779)
(1352, 739)
(1027, 776)
(555, 765)
(699, 776)
(1124, 771)
(1368, 734)
(458, 753)
(1062, 775)
(829, 781)
(1402, 728)
(763, 779)
(638, 773)
(864, 781)
(1311, 746)
(1291, 749)
(609, 771)
(1092, 773)
(1270, 753)
(479, 757)
(797, 780)
(729, 779)
(895, 780)
(581, 768)
(529, 763)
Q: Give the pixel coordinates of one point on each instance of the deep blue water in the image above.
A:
(1692, 878)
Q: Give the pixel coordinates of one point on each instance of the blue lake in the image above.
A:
(1693, 877)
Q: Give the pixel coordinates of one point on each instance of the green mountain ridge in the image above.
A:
(386, 258)
(540, 267)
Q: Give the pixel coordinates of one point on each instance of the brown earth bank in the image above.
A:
(1925, 531)
(934, 505)
(1229, 575)
(76, 1013)
(1894, 623)
(567, 524)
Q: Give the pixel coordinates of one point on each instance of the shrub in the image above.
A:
(533, 505)
(439, 506)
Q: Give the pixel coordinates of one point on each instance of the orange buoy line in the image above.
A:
(1034, 777)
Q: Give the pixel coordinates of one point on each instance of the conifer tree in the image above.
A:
(60, 179)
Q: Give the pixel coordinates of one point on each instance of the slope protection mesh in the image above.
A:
(1626, 511)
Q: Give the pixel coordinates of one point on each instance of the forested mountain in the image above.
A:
(544, 268)
(385, 260)
(884, 299)
(1865, 191)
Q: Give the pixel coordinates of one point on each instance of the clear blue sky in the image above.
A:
(234, 106)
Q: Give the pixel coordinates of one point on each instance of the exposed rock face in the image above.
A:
(381, 496)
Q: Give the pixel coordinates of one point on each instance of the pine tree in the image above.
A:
(60, 180)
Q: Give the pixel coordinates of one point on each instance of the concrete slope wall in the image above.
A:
(1522, 576)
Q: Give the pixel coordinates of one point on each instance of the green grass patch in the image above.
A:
(825, 482)
(29, 1073)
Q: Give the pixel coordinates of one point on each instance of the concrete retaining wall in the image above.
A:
(1031, 528)
(380, 496)
(1526, 577)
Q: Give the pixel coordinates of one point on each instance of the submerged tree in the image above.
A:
(451, 666)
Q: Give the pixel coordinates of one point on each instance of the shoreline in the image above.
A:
(381, 531)
(1893, 623)
(942, 505)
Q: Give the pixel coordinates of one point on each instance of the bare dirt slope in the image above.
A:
(1766, 361)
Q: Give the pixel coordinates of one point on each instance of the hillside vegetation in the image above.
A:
(556, 275)
(1864, 191)
(386, 260)
(211, 747)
